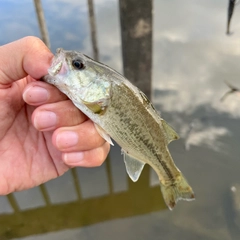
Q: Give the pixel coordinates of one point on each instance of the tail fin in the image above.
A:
(180, 190)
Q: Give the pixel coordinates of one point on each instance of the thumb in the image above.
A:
(27, 56)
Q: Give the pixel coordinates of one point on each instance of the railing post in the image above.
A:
(136, 26)
(41, 22)
(93, 30)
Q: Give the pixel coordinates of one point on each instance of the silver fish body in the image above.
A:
(122, 112)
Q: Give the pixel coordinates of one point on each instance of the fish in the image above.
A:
(231, 6)
(120, 111)
(231, 91)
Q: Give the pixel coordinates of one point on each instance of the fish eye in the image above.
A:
(78, 64)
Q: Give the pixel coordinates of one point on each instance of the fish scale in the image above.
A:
(135, 113)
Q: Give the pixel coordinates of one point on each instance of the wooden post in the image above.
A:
(41, 22)
(93, 30)
(136, 26)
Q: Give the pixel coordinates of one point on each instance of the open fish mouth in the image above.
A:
(54, 70)
(57, 63)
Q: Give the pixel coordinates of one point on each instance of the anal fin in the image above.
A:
(134, 167)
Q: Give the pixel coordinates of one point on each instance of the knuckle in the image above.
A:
(33, 41)
(34, 45)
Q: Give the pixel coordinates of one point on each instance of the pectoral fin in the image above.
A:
(170, 132)
(133, 166)
(103, 134)
(96, 107)
(96, 95)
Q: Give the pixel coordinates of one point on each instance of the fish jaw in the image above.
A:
(61, 75)
(59, 68)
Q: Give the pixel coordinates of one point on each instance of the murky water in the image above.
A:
(191, 59)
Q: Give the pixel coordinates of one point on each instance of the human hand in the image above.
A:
(42, 134)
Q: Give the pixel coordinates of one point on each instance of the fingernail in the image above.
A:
(36, 95)
(73, 158)
(45, 120)
(66, 139)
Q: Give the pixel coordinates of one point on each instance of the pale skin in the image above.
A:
(42, 134)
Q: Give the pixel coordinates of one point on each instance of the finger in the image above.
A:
(91, 158)
(82, 137)
(55, 115)
(38, 93)
(27, 56)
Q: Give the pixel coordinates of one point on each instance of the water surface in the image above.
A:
(192, 57)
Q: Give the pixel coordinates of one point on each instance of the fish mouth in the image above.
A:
(54, 70)
(57, 62)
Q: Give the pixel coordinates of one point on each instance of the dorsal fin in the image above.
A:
(170, 132)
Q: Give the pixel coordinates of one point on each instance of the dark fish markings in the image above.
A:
(137, 131)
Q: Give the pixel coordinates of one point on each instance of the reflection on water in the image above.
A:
(192, 57)
(201, 132)
(95, 204)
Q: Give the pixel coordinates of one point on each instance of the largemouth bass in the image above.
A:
(122, 112)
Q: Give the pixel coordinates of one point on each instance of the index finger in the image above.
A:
(27, 56)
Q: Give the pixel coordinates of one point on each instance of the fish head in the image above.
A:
(68, 68)
(79, 77)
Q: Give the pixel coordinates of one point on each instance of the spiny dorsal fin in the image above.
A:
(170, 132)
